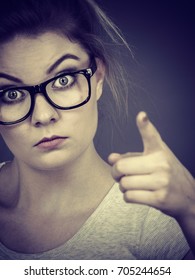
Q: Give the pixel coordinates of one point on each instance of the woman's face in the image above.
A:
(30, 61)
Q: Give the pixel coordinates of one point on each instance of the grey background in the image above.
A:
(162, 36)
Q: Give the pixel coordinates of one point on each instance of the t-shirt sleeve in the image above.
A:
(162, 238)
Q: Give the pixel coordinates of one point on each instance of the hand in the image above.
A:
(154, 177)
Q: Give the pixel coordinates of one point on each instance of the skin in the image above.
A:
(156, 178)
(45, 119)
(42, 188)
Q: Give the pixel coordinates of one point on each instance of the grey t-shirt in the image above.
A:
(118, 230)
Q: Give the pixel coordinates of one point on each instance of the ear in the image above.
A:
(99, 74)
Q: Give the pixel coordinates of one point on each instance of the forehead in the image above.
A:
(36, 54)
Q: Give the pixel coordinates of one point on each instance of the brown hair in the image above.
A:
(80, 20)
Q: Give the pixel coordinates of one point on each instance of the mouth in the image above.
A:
(51, 142)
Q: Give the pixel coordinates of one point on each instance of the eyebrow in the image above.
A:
(9, 77)
(62, 58)
(51, 68)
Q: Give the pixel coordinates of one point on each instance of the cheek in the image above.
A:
(84, 122)
(80, 124)
(15, 139)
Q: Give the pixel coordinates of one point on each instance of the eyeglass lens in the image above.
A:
(66, 91)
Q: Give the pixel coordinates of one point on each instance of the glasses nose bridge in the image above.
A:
(38, 89)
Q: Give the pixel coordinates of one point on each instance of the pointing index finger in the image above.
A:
(151, 138)
(114, 157)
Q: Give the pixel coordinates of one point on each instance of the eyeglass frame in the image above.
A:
(41, 88)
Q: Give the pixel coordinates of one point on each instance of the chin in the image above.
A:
(53, 161)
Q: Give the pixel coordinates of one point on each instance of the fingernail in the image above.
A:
(145, 118)
(113, 157)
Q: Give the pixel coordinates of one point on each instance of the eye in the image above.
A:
(13, 96)
(63, 82)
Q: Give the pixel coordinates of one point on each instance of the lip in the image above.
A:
(50, 142)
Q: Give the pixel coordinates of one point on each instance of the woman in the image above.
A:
(59, 199)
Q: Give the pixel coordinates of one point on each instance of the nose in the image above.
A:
(43, 113)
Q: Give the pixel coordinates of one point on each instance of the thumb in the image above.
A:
(113, 158)
(150, 136)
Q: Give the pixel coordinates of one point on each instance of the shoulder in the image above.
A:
(3, 176)
(162, 237)
(126, 220)
(7, 189)
(153, 234)
(2, 164)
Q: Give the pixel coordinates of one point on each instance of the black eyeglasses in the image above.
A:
(67, 91)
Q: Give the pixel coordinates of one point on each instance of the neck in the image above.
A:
(73, 180)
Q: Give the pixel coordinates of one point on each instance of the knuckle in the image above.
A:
(122, 189)
(163, 162)
(118, 166)
(163, 180)
(166, 180)
(126, 197)
(113, 174)
(166, 166)
(123, 182)
(160, 198)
